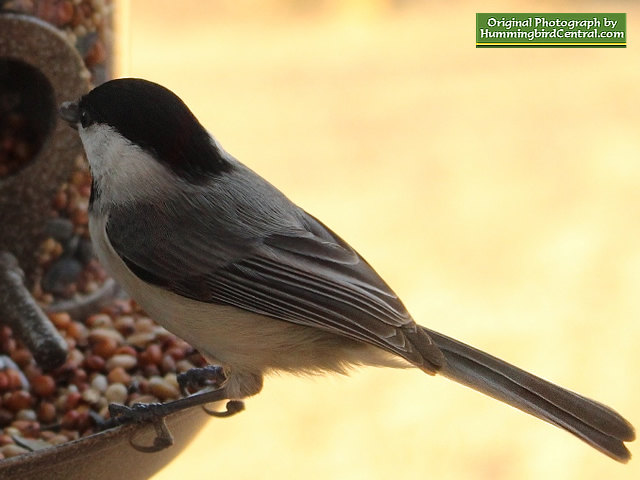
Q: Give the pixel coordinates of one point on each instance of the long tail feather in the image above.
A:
(596, 424)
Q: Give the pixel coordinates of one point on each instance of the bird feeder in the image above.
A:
(52, 51)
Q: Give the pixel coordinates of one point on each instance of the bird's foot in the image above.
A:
(156, 413)
(195, 379)
(214, 376)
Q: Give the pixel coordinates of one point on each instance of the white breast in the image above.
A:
(219, 332)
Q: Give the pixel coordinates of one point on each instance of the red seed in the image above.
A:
(65, 370)
(96, 55)
(176, 352)
(15, 379)
(28, 428)
(43, 385)
(46, 412)
(32, 370)
(60, 200)
(61, 320)
(72, 400)
(83, 419)
(150, 370)
(152, 355)
(18, 400)
(105, 347)
(64, 13)
(126, 350)
(80, 378)
(80, 217)
(70, 420)
(94, 362)
(118, 307)
(22, 356)
(77, 331)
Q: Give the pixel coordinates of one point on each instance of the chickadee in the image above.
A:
(223, 259)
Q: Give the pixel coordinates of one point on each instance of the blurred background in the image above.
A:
(496, 190)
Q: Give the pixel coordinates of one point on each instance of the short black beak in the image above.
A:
(70, 113)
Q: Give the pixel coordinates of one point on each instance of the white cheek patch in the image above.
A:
(122, 171)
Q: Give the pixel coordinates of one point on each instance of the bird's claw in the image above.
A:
(162, 440)
(211, 376)
(208, 376)
(232, 407)
(144, 412)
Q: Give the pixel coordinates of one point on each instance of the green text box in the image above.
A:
(551, 29)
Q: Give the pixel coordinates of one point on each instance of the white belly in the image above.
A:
(235, 338)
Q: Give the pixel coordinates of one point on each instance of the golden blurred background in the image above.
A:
(496, 190)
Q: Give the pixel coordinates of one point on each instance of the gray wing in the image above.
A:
(216, 247)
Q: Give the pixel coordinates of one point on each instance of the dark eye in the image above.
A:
(85, 119)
